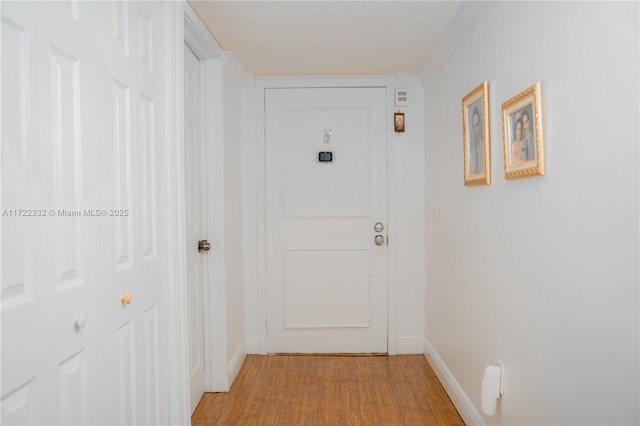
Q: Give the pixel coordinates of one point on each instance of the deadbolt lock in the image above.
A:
(378, 227)
(203, 245)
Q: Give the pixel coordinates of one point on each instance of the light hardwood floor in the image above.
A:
(330, 390)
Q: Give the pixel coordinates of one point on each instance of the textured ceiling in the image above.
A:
(328, 37)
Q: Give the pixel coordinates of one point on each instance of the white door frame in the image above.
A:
(264, 83)
(184, 27)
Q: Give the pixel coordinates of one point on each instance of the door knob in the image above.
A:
(203, 245)
(125, 298)
(379, 240)
(79, 321)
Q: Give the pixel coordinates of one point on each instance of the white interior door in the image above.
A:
(194, 156)
(326, 189)
(82, 154)
(133, 245)
(45, 279)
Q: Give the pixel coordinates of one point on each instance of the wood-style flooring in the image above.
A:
(330, 390)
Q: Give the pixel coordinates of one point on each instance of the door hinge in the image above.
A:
(264, 124)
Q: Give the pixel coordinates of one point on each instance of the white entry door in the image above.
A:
(194, 155)
(326, 187)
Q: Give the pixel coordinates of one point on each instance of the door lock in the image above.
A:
(203, 245)
(378, 227)
(379, 240)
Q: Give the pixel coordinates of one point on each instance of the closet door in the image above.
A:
(133, 258)
(80, 212)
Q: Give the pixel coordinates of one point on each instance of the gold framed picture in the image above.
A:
(398, 122)
(522, 134)
(475, 136)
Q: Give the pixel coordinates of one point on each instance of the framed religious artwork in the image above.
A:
(475, 136)
(522, 134)
(398, 122)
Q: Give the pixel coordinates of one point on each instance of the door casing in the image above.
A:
(263, 83)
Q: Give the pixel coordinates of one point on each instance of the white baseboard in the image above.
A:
(233, 367)
(463, 404)
(409, 345)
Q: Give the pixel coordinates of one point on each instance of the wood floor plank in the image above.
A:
(390, 410)
(331, 390)
(209, 408)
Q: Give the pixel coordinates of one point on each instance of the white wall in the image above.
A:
(542, 272)
(233, 80)
(250, 208)
(409, 236)
(408, 207)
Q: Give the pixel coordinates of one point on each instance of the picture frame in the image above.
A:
(398, 122)
(475, 136)
(522, 134)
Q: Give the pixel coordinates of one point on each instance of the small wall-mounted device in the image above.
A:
(325, 157)
(492, 388)
(402, 98)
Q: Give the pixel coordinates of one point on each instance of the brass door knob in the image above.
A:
(125, 298)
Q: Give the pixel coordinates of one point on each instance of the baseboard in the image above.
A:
(409, 345)
(234, 364)
(463, 404)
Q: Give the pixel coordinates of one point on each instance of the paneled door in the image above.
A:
(133, 245)
(194, 157)
(84, 266)
(326, 204)
(48, 293)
